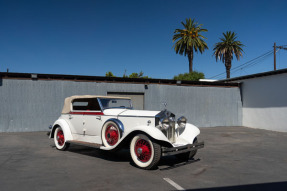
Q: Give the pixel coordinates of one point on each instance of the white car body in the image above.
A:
(86, 126)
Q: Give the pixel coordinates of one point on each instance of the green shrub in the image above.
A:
(110, 74)
(194, 76)
(132, 75)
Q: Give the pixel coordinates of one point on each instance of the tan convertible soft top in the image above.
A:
(69, 100)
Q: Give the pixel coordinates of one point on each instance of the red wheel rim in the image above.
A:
(112, 135)
(60, 137)
(143, 150)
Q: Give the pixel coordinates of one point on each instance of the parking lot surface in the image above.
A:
(234, 158)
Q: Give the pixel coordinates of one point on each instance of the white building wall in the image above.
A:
(265, 102)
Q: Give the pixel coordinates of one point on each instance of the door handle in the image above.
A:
(70, 117)
(98, 117)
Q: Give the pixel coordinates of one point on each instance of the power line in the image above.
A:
(252, 64)
(257, 61)
(249, 62)
(244, 63)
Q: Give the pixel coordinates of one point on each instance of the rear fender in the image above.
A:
(65, 127)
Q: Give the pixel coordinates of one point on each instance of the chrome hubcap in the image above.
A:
(139, 151)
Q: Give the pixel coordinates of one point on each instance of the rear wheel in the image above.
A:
(59, 139)
(145, 153)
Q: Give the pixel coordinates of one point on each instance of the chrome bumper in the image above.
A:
(181, 149)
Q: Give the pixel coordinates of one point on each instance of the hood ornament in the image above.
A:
(165, 104)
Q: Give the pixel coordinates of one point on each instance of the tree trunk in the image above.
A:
(227, 66)
(190, 60)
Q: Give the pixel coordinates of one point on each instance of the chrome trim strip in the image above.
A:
(136, 116)
(171, 132)
(119, 115)
(122, 112)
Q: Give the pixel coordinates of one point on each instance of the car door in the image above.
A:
(93, 123)
(92, 118)
(76, 120)
(78, 109)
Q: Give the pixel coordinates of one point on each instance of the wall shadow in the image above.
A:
(264, 92)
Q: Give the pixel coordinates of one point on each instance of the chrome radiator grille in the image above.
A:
(165, 120)
(170, 132)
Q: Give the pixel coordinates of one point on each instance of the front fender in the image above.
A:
(65, 127)
(189, 134)
(153, 132)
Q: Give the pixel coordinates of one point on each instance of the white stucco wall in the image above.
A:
(265, 102)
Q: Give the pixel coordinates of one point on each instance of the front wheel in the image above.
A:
(145, 153)
(59, 139)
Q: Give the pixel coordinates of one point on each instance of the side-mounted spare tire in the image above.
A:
(111, 134)
(145, 153)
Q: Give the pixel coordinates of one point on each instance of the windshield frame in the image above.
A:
(103, 108)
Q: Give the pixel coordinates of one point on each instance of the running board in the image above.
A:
(83, 143)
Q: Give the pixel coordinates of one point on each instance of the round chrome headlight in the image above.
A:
(181, 122)
(165, 123)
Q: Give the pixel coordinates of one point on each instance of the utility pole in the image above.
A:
(284, 47)
(274, 56)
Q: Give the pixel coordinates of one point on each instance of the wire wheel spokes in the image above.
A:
(143, 150)
(112, 135)
(60, 137)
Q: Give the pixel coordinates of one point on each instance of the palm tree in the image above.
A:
(189, 39)
(225, 49)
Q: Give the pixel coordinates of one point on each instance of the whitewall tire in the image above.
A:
(110, 134)
(59, 139)
(144, 152)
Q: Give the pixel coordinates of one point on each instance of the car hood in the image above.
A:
(129, 112)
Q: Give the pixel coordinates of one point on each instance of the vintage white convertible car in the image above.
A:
(110, 123)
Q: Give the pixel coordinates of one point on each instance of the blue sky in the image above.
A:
(93, 37)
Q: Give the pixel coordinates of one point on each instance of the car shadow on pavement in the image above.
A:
(278, 186)
(123, 155)
(171, 162)
(116, 156)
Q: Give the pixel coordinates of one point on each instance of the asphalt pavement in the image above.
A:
(234, 158)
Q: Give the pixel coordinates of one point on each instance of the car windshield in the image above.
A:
(115, 103)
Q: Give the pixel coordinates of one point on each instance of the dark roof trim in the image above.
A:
(276, 72)
(27, 76)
